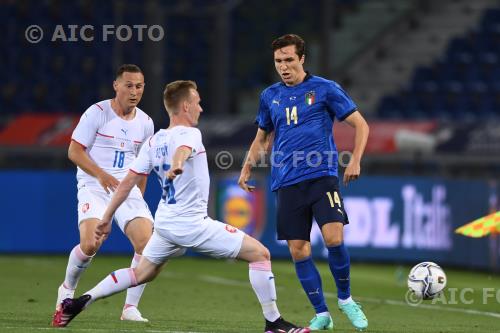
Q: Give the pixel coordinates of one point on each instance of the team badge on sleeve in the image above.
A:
(310, 97)
(85, 207)
(231, 229)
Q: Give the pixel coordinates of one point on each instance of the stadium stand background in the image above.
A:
(450, 76)
(426, 74)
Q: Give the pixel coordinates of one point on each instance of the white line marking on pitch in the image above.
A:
(430, 306)
(223, 281)
(219, 280)
(422, 306)
(226, 282)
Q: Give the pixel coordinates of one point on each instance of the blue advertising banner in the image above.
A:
(40, 213)
(391, 218)
(403, 220)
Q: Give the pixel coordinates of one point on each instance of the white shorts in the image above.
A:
(92, 203)
(207, 236)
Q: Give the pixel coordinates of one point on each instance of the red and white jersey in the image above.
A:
(111, 142)
(186, 197)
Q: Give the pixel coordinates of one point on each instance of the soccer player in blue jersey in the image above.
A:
(300, 110)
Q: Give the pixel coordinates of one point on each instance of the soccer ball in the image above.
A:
(426, 280)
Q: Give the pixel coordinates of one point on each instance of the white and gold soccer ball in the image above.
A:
(427, 280)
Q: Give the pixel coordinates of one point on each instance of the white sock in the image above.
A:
(345, 301)
(134, 294)
(113, 283)
(323, 314)
(262, 281)
(77, 264)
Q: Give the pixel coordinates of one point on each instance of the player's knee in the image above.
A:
(90, 247)
(264, 253)
(260, 253)
(299, 253)
(334, 240)
(299, 249)
(148, 273)
(139, 245)
(141, 279)
(143, 276)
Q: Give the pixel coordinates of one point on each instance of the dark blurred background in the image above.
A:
(426, 75)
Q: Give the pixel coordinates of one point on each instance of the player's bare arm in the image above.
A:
(122, 191)
(180, 156)
(257, 149)
(78, 155)
(142, 185)
(362, 130)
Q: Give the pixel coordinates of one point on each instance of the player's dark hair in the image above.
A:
(290, 39)
(130, 68)
(175, 92)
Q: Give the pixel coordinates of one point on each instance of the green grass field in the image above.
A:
(205, 295)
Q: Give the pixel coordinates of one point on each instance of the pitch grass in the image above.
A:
(206, 295)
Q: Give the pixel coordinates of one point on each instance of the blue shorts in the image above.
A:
(299, 203)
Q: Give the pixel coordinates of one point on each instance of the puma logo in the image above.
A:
(314, 292)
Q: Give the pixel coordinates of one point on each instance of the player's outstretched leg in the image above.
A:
(113, 283)
(339, 262)
(262, 281)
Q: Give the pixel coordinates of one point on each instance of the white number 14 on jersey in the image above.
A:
(291, 115)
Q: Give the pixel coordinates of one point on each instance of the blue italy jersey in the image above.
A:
(302, 118)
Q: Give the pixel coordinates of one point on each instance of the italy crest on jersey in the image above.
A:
(310, 96)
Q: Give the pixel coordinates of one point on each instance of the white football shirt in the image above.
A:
(186, 197)
(111, 142)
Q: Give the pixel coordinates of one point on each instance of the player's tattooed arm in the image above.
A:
(258, 150)
(78, 155)
(180, 156)
(362, 130)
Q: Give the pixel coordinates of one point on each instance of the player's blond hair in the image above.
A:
(176, 92)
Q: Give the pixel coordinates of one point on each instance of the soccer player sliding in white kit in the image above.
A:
(178, 157)
(104, 144)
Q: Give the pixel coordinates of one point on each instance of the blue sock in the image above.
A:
(339, 262)
(311, 282)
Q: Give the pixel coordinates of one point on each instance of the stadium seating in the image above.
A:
(464, 84)
(52, 76)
